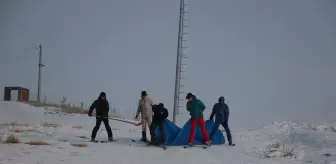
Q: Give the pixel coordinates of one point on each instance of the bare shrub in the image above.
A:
(37, 142)
(288, 149)
(280, 150)
(80, 145)
(12, 139)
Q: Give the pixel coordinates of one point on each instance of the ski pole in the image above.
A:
(121, 120)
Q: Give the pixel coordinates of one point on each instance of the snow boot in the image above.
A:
(144, 137)
(153, 142)
(110, 139)
(92, 140)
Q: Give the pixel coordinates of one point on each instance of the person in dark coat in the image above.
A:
(221, 110)
(102, 109)
(159, 117)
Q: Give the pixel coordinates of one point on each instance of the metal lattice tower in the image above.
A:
(180, 63)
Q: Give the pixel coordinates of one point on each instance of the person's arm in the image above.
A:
(213, 112)
(188, 106)
(201, 105)
(108, 106)
(150, 101)
(93, 106)
(165, 113)
(226, 111)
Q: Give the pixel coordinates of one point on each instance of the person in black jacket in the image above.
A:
(159, 117)
(102, 109)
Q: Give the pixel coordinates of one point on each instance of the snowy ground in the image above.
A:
(312, 143)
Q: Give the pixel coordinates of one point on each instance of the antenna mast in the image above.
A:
(181, 54)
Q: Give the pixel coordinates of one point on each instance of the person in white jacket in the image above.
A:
(145, 107)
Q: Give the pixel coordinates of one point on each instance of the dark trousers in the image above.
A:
(226, 128)
(107, 126)
(154, 125)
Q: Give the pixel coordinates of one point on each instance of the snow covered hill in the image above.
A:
(298, 142)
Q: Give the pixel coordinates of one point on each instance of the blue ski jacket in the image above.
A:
(221, 111)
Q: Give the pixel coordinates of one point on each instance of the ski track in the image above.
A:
(313, 143)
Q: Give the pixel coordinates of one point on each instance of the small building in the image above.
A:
(16, 94)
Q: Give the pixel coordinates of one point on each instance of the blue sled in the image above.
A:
(178, 137)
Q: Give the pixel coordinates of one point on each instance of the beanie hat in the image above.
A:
(189, 95)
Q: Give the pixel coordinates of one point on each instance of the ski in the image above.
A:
(102, 141)
(202, 146)
(159, 146)
(146, 144)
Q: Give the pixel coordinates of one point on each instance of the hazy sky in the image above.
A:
(273, 60)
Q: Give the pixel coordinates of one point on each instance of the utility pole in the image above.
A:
(40, 65)
(180, 55)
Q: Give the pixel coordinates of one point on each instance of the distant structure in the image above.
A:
(181, 54)
(22, 94)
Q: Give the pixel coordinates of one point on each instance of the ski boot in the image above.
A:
(188, 146)
(92, 140)
(208, 143)
(164, 144)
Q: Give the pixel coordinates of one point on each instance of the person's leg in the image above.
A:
(214, 129)
(152, 128)
(204, 130)
(192, 131)
(95, 129)
(149, 121)
(144, 127)
(162, 132)
(143, 123)
(227, 131)
(108, 129)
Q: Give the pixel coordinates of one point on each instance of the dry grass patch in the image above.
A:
(80, 145)
(14, 124)
(12, 139)
(51, 125)
(37, 142)
(77, 127)
(17, 130)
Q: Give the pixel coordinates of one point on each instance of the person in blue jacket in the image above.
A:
(221, 110)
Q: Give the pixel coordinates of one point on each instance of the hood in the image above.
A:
(102, 94)
(221, 99)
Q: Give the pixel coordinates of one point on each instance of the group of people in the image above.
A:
(154, 115)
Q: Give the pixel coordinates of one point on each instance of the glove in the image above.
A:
(90, 114)
(136, 117)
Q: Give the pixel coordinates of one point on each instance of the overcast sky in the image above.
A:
(273, 60)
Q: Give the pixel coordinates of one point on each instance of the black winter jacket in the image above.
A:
(160, 113)
(102, 107)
